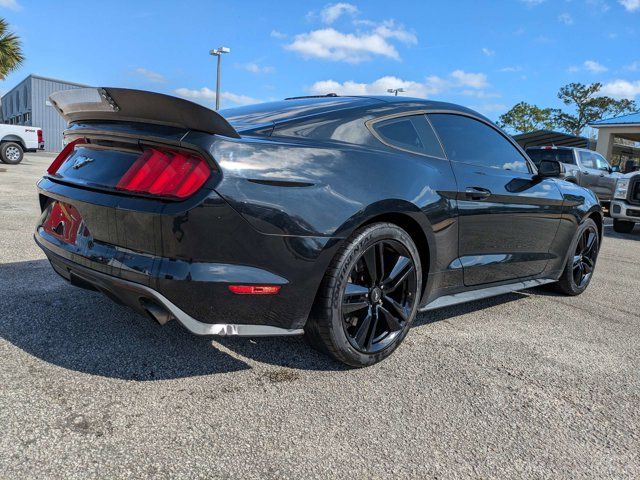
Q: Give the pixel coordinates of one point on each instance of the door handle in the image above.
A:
(585, 173)
(477, 193)
(602, 174)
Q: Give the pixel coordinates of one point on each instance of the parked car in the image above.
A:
(17, 139)
(582, 166)
(337, 217)
(625, 207)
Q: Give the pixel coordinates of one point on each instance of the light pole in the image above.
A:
(395, 90)
(218, 53)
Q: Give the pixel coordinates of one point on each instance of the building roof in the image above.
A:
(630, 119)
(550, 138)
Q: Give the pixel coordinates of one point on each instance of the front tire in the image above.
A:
(369, 296)
(623, 226)
(582, 262)
(11, 153)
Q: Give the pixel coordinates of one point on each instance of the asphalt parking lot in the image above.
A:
(525, 385)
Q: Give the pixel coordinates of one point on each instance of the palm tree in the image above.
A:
(10, 50)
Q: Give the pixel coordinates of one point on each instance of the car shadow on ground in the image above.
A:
(86, 332)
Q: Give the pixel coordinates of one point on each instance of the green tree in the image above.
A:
(524, 117)
(588, 106)
(10, 50)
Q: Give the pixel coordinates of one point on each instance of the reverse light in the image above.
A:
(254, 289)
(622, 189)
(165, 173)
(63, 155)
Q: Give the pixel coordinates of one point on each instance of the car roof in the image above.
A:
(270, 113)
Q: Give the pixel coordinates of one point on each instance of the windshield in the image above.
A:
(539, 154)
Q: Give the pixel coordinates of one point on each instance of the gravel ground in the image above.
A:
(525, 385)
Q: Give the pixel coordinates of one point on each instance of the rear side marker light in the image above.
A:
(254, 289)
(63, 155)
(165, 173)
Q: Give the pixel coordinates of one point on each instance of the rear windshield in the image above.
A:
(539, 154)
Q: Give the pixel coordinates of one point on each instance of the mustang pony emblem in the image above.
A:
(81, 162)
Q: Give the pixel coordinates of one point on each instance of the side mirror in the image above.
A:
(615, 169)
(550, 169)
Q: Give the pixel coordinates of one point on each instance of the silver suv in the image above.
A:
(582, 166)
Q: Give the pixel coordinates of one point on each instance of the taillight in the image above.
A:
(40, 139)
(63, 155)
(165, 173)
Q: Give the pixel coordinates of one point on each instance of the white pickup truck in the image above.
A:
(17, 139)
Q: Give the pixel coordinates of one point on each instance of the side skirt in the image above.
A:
(472, 295)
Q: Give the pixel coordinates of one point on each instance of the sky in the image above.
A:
(486, 55)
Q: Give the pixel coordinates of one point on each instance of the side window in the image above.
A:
(471, 141)
(601, 163)
(411, 133)
(587, 159)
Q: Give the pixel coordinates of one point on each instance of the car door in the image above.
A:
(589, 173)
(607, 179)
(508, 217)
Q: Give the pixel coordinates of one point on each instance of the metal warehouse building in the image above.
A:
(28, 104)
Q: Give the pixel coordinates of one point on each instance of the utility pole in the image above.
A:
(218, 53)
(395, 91)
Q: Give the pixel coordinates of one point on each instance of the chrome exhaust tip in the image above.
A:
(157, 312)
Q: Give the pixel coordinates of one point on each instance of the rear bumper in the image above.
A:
(190, 252)
(148, 301)
(621, 210)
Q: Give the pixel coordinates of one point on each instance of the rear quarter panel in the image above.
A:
(297, 187)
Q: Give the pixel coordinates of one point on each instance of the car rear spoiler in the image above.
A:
(122, 104)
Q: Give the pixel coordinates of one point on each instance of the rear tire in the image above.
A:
(581, 263)
(368, 297)
(623, 226)
(11, 153)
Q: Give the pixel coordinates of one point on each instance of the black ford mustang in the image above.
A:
(336, 217)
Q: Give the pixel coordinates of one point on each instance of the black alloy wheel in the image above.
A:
(579, 269)
(584, 258)
(369, 296)
(379, 296)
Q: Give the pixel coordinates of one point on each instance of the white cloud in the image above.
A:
(331, 13)
(622, 89)
(150, 76)
(206, 95)
(488, 108)
(278, 34)
(255, 68)
(511, 69)
(458, 81)
(532, 3)
(630, 5)
(594, 67)
(10, 4)
(590, 66)
(473, 80)
(565, 18)
(330, 44)
(377, 87)
(488, 52)
(479, 93)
